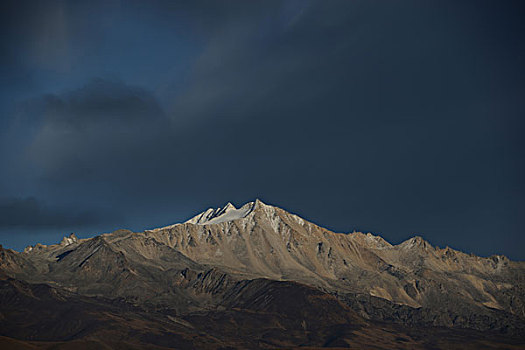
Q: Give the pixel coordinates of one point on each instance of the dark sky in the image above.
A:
(397, 118)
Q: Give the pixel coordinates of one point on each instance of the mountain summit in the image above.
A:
(260, 240)
(227, 213)
(251, 257)
(224, 214)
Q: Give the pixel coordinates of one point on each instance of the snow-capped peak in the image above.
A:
(226, 213)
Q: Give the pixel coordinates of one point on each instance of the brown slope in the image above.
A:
(272, 243)
(13, 263)
(141, 270)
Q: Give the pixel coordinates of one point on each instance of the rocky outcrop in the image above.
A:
(69, 239)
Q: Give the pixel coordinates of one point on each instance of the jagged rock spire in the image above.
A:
(69, 239)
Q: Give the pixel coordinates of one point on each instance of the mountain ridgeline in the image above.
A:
(257, 277)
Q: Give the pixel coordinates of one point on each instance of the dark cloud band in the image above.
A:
(30, 213)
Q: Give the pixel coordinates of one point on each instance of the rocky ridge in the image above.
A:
(210, 262)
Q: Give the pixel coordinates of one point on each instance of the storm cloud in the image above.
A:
(30, 213)
(392, 118)
(91, 132)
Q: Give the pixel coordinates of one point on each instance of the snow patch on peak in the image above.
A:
(224, 214)
(229, 206)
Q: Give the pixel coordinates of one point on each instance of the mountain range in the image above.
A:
(256, 277)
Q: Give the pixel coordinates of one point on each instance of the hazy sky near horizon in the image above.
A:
(397, 118)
